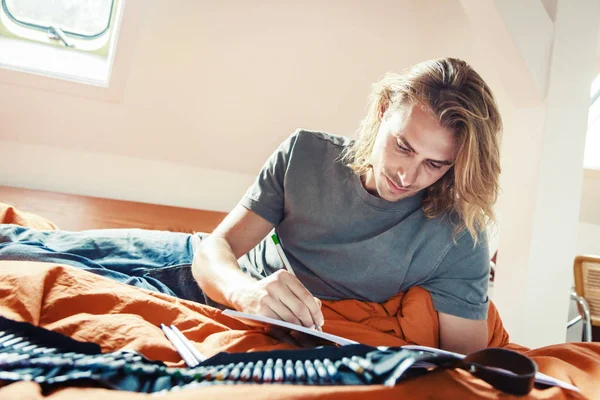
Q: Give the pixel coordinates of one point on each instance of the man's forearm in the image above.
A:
(217, 271)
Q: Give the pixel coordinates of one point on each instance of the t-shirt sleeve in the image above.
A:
(266, 195)
(459, 284)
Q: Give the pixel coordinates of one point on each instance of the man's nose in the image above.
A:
(408, 174)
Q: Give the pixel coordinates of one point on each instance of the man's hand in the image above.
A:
(462, 335)
(280, 296)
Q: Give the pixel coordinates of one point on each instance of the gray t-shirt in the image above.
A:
(344, 243)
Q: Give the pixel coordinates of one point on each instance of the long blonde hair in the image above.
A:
(463, 103)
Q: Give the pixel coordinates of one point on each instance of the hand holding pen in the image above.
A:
(288, 267)
(281, 296)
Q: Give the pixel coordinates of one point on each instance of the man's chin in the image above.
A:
(388, 195)
(394, 197)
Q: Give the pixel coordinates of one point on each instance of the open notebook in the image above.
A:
(282, 324)
(266, 321)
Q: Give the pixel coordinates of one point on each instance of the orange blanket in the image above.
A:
(11, 215)
(88, 307)
(91, 308)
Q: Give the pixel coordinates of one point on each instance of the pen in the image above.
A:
(257, 372)
(234, 374)
(278, 371)
(331, 370)
(246, 373)
(189, 359)
(321, 371)
(300, 375)
(360, 371)
(286, 262)
(197, 355)
(268, 371)
(311, 373)
(289, 370)
(224, 372)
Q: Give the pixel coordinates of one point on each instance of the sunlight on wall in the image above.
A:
(591, 158)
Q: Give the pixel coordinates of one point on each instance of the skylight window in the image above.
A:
(65, 39)
(79, 18)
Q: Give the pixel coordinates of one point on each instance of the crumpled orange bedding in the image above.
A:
(12, 215)
(91, 308)
(88, 307)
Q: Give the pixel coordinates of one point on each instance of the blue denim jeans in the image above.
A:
(154, 260)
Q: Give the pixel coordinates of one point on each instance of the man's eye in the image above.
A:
(402, 148)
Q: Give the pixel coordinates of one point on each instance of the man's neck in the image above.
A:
(368, 182)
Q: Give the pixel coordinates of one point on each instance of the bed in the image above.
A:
(74, 213)
(116, 316)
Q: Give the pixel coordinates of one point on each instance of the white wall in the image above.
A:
(218, 85)
(590, 197)
(588, 239)
(125, 178)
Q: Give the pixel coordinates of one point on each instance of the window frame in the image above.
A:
(43, 28)
(33, 58)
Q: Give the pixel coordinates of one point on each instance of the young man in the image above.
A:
(405, 204)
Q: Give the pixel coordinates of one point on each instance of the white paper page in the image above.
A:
(272, 321)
